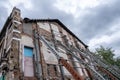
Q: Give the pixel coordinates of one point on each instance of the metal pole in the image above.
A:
(37, 58)
(62, 71)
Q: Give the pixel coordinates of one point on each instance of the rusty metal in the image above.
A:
(74, 73)
(107, 72)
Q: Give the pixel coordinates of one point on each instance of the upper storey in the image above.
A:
(47, 27)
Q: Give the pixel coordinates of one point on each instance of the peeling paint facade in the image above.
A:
(18, 48)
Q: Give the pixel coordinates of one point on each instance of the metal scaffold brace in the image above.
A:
(110, 71)
(76, 76)
(73, 72)
(113, 73)
(109, 68)
(96, 75)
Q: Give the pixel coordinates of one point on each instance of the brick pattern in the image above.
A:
(15, 54)
(15, 48)
(30, 78)
(16, 35)
(44, 66)
(52, 70)
(45, 33)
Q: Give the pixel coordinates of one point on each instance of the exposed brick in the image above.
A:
(45, 33)
(30, 78)
(16, 35)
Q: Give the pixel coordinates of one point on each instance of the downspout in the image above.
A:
(37, 59)
(61, 70)
(38, 56)
(39, 47)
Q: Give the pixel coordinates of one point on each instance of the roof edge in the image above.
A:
(27, 20)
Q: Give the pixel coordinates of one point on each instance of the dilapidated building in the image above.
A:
(45, 49)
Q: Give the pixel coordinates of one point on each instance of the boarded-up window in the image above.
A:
(27, 28)
(28, 62)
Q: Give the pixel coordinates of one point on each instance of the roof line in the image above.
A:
(27, 20)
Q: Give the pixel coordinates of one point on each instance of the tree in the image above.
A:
(117, 62)
(107, 54)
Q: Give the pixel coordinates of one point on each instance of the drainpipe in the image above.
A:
(40, 54)
(37, 56)
(62, 71)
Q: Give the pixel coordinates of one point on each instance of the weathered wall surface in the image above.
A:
(49, 57)
(20, 35)
(23, 56)
(44, 25)
(28, 66)
(27, 28)
(24, 38)
(27, 41)
(56, 32)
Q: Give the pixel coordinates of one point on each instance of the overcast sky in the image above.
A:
(95, 22)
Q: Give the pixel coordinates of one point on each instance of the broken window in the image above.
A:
(52, 70)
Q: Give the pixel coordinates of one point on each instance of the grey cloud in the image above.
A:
(114, 45)
(45, 9)
(96, 23)
(42, 9)
(99, 19)
(3, 15)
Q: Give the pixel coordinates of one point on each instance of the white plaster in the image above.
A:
(79, 69)
(44, 26)
(16, 21)
(56, 32)
(62, 53)
(16, 31)
(66, 72)
(16, 39)
(27, 41)
(48, 55)
(81, 45)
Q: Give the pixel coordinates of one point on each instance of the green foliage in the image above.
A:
(107, 54)
(117, 62)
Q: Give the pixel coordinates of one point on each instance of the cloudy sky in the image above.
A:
(95, 22)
